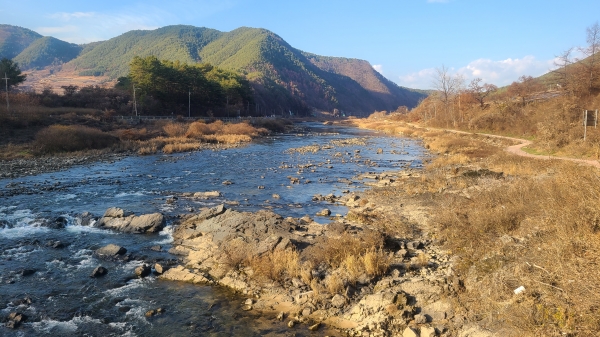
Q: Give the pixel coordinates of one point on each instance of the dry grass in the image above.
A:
(61, 138)
(538, 228)
(334, 283)
(227, 139)
(147, 150)
(175, 129)
(181, 147)
(278, 265)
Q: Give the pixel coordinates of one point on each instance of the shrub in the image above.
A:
(175, 129)
(61, 138)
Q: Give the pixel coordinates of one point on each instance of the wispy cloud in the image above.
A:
(63, 16)
(83, 27)
(500, 73)
(378, 68)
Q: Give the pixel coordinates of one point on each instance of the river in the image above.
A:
(52, 286)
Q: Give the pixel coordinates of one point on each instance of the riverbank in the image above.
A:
(522, 233)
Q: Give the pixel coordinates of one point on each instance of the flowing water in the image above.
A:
(52, 285)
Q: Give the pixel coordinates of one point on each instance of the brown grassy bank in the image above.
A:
(51, 131)
(511, 221)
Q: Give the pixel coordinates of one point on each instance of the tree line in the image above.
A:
(167, 86)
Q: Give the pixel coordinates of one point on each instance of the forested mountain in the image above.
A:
(46, 51)
(173, 43)
(283, 78)
(13, 40)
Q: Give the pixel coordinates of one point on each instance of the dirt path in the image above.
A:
(518, 149)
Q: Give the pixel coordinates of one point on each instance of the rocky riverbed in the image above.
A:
(289, 230)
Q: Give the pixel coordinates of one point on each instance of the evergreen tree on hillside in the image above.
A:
(10, 70)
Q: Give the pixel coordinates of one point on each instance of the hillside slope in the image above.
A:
(284, 79)
(175, 43)
(46, 51)
(14, 39)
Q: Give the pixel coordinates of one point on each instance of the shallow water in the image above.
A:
(66, 301)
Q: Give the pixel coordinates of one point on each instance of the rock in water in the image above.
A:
(159, 268)
(147, 223)
(143, 270)
(324, 212)
(15, 319)
(111, 250)
(27, 272)
(99, 271)
(118, 219)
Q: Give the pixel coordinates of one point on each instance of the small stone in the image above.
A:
(150, 313)
(427, 332)
(99, 271)
(297, 282)
(420, 319)
(280, 316)
(314, 327)
(247, 307)
(306, 312)
(156, 248)
(276, 196)
(324, 212)
(338, 301)
(409, 332)
(261, 187)
(27, 272)
(143, 270)
(291, 324)
(159, 268)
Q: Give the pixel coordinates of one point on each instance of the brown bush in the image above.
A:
(278, 265)
(61, 138)
(175, 129)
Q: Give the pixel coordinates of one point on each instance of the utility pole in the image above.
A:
(134, 101)
(6, 82)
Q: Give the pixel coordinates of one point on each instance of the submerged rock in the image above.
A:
(99, 271)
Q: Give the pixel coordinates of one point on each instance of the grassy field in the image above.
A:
(512, 221)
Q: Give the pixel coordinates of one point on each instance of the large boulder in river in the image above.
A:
(111, 250)
(120, 220)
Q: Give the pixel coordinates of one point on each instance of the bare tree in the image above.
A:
(563, 63)
(593, 41)
(525, 88)
(480, 91)
(447, 86)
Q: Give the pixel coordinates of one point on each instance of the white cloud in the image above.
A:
(500, 73)
(56, 30)
(86, 27)
(378, 68)
(69, 16)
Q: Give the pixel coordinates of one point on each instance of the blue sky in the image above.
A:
(403, 39)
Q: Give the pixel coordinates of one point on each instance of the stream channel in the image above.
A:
(52, 285)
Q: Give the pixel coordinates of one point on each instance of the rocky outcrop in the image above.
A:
(123, 221)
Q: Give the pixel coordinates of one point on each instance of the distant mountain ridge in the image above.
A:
(283, 78)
